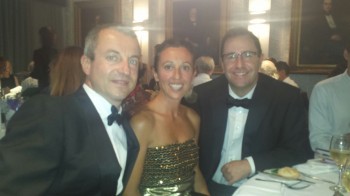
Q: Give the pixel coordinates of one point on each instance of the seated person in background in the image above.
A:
(66, 73)
(338, 69)
(329, 111)
(283, 73)
(29, 82)
(268, 67)
(267, 129)
(167, 163)
(204, 66)
(8, 80)
(139, 95)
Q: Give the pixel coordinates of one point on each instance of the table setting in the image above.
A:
(328, 174)
(315, 178)
(9, 104)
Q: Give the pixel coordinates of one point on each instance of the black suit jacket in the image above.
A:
(59, 146)
(276, 131)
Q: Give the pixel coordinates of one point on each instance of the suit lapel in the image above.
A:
(133, 149)
(260, 103)
(105, 155)
(219, 111)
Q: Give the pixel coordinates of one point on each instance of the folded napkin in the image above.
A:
(17, 89)
(316, 166)
(13, 92)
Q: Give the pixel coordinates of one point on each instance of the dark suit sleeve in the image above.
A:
(284, 140)
(32, 148)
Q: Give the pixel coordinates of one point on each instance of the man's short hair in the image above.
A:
(204, 64)
(281, 65)
(235, 32)
(91, 39)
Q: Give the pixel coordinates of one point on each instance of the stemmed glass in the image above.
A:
(346, 176)
(340, 151)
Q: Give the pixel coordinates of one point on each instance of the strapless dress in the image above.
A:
(169, 170)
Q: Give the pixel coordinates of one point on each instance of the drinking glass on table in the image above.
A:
(346, 176)
(340, 151)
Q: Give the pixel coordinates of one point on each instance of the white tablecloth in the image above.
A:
(254, 187)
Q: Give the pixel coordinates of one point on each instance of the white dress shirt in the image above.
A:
(232, 148)
(115, 132)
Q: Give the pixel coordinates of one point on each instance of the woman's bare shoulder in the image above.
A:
(143, 121)
(191, 114)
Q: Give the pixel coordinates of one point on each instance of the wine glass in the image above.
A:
(346, 176)
(340, 151)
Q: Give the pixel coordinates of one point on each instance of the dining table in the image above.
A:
(315, 179)
(9, 104)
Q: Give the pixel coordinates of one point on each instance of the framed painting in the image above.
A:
(88, 14)
(319, 29)
(202, 22)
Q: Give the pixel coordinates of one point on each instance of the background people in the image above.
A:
(283, 73)
(139, 96)
(66, 73)
(73, 145)
(269, 68)
(329, 107)
(167, 131)
(8, 80)
(266, 128)
(204, 66)
(29, 82)
(43, 56)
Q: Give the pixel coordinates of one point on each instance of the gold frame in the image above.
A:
(296, 17)
(224, 15)
(90, 5)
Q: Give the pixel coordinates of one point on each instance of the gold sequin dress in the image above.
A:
(169, 170)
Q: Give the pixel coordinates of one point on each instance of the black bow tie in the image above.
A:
(114, 116)
(245, 103)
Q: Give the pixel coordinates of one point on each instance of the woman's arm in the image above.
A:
(200, 185)
(141, 126)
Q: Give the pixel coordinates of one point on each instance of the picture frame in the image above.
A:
(308, 51)
(88, 14)
(206, 32)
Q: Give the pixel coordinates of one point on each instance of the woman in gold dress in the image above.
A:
(167, 163)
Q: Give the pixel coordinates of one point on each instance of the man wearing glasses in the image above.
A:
(249, 122)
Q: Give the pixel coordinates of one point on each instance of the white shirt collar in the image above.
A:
(102, 106)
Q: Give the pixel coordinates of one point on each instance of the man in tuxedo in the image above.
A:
(74, 145)
(249, 121)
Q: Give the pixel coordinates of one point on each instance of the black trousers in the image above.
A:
(216, 189)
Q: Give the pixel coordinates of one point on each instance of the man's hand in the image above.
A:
(236, 170)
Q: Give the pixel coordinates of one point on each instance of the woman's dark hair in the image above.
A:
(3, 63)
(176, 43)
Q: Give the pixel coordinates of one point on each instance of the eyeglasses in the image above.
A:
(233, 56)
